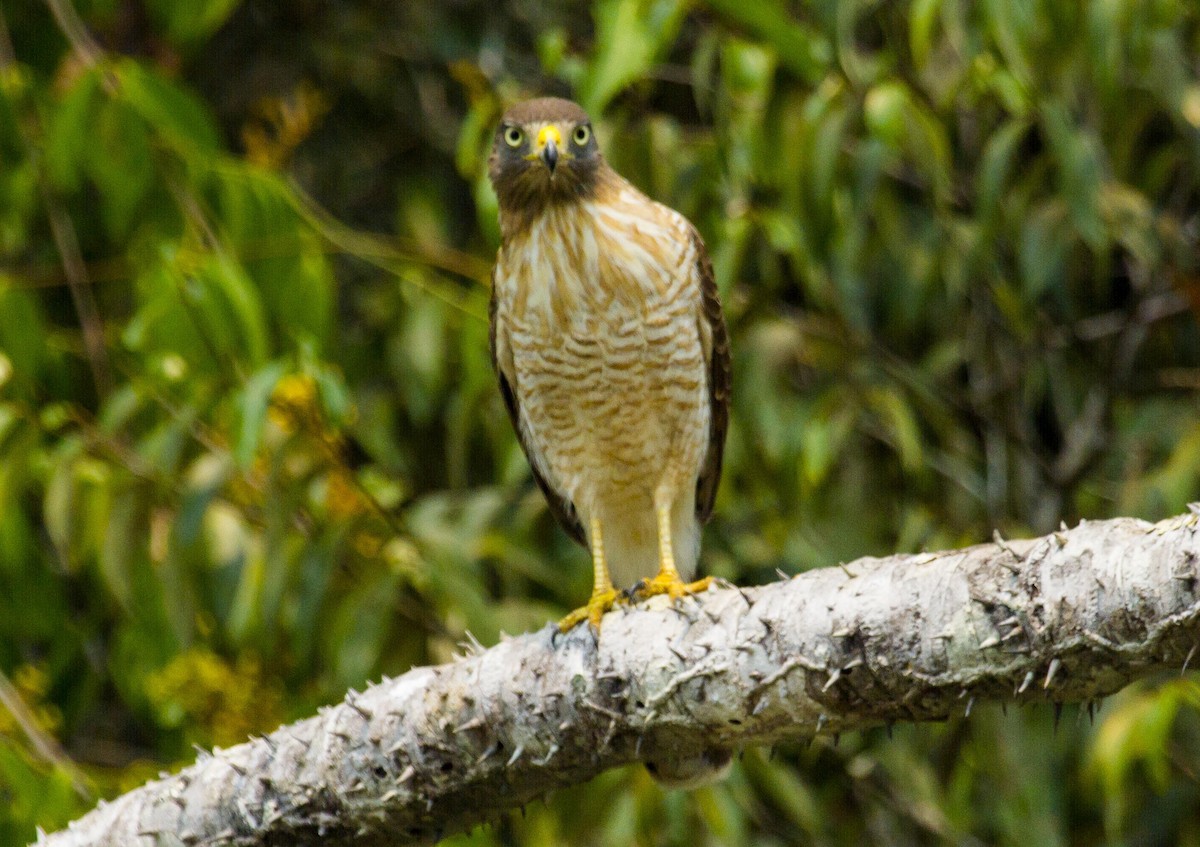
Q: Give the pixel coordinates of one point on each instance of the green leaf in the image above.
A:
(899, 120)
(58, 502)
(70, 131)
(23, 336)
(1136, 731)
(235, 309)
(36, 797)
(996, 165)
(800, 48)
(278, 250)
(334, 394)
(828, 136)
(630, 35)
(253, 402)
(174, 114)
(1043, 248)
(900, 426)
(194, 20)
(884, 111)
(122, 551)
(1077, 153)
(922, 18)
(120, 162)
(1013, 24)
(360, 627)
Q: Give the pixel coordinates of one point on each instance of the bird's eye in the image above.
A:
(513, 137)
(581, 135)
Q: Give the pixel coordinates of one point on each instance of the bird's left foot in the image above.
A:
(671, 584)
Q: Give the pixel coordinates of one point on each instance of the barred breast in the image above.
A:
(600, 324)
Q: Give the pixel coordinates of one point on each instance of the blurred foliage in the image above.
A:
(251, 450)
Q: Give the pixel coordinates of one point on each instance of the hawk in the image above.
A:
(611, 351)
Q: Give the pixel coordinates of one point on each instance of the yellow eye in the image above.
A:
(513, 137)
(581, 135)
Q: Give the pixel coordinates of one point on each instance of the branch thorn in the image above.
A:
(512, 760)
(1055, 664)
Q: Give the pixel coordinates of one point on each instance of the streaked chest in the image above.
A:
(595, 267)
(597, 311)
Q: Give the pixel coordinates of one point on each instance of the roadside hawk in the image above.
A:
(611, 350)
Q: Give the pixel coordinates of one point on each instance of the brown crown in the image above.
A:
(545, 109)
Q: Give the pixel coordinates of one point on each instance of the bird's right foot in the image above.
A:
(597, 607)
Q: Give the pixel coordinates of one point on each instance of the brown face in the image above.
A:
(544, 151)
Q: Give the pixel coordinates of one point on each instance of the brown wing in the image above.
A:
(562, 508)
(720, 378)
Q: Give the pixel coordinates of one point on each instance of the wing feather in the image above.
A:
(720, 378)
(561, 507)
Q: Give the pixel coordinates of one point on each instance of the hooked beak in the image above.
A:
(550, 155)
(548, 141)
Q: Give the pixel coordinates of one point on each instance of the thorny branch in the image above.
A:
(1068, 617)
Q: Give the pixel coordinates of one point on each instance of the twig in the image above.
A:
(45, 745)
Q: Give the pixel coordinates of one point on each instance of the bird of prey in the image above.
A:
(612, 354)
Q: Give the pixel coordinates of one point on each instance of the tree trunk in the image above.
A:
(1069, 617)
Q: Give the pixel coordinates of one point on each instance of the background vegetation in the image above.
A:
(251, 451)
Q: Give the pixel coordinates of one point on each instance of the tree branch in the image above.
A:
(1072, 616)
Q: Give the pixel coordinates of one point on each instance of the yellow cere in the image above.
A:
(549, 132)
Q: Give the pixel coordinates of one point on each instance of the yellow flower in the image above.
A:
(213, 701)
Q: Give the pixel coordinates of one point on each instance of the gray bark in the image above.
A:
(1069, 617)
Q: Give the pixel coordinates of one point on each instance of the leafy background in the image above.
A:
(251, 451)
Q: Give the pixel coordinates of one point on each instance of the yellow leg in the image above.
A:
(667, 580)
(603, 593)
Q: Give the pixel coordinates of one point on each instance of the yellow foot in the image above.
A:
(595, 609)
(666, 582)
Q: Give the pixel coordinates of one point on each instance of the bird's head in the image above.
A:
(544, 152)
